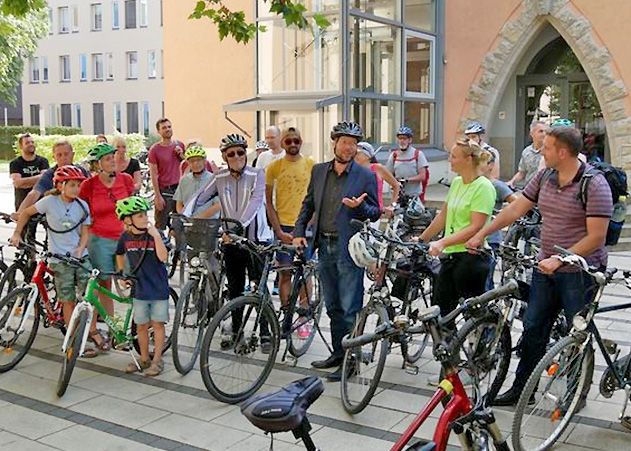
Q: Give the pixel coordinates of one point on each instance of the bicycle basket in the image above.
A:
(201, 234)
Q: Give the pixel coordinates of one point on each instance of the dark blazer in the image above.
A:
(359, 181)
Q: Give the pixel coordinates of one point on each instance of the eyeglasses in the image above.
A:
(238, 153)
(294, 141)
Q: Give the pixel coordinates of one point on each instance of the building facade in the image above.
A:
(100, 68)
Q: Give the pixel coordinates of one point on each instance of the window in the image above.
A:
(130, 13)
(162, 64)
(98, 119)
(118, 116)
(132, 65)
(66, 115)
(115, 15)
(44, 69)
(83, 66)
(144, 13)
(378, 118)
(50, 21)
(64, 19)
(75, 18)
(76, 115)
(64, 68)
(420, 116)
(97, 66)
(161, 13)
(97, 16)
(151, 64)
(418, 64)
(34, 70)
(34, 114)
(132, 117)
(420, 14)
(145, 118)
(379, 8)
(109, 59)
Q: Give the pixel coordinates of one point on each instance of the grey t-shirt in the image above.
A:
(406, 166)
(529, 164)
(502, 191)
(190, 185)
(63, 216)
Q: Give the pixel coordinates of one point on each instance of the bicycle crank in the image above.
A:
(608, 382)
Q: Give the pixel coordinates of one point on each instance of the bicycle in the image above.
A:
(231, 349)
(524, 229)
(561, 381)
(474, 424)
(202, 295)
(123, 335)
(362, 369)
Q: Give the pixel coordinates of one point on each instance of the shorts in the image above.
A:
(102, 253)
(286, 258)
(162, 217)
(145, 311)
(68, 280)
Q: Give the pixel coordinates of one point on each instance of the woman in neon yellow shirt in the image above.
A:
(466, 210)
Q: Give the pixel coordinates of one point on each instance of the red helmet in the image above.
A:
(68, 172)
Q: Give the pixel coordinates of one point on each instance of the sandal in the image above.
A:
(103, 344)
(132, 368)
(89, 353)
(155, 369)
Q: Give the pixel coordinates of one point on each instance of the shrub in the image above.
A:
(8, 137)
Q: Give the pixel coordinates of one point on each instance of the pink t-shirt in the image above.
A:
(373, 169)
(167, 161)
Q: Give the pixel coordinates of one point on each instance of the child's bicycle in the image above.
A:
(123, 331)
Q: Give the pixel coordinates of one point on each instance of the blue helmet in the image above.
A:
(405, 131)
(475, 128)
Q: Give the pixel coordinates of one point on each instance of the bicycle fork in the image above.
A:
(15, 312)
(72, 324)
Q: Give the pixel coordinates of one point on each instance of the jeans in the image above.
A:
(342, 284)
(489, 280)
(569, 291)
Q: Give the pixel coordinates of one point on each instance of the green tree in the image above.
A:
(22, 24)
(232, 23)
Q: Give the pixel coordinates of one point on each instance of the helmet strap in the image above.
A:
(141, 229)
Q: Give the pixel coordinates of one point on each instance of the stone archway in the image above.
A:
(513, 40)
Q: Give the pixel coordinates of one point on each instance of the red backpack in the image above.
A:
(425, 182)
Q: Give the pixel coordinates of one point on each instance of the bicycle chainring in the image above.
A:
(608, 383)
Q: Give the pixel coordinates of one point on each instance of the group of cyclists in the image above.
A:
(283, 195)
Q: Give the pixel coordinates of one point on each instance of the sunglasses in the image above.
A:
(294, 141)
(238, 153)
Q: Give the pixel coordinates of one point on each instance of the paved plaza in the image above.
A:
(106, 409)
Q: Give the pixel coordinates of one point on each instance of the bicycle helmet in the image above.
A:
(366, 148)
(404, 130)
(475, 128)
(130, 206)
(68, 172)
(362, 254)
(347, 128)
(562, 122)
(262, 145)
(233, 140)
(99, 151)
(195, 151)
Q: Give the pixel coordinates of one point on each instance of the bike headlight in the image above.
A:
(195, 262)
(579, 322)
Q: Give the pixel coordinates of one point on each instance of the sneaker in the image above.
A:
(266, 345)
(155, 369)
(227, 341)
(304, 331)
(132, 368)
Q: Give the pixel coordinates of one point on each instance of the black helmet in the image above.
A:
(233, 140)
(346, 128)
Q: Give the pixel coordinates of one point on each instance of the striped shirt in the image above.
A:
(564, 217)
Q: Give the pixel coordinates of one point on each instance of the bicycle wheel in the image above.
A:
(306, 310)
(12, 277)
(72, 351)
(13, 310)
(363, 366)
(168, 326)
(557, 384)
(189, 322)
(485, 352)
(231, 362)
(419, 298)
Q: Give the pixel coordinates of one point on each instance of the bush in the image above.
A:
(8, 137)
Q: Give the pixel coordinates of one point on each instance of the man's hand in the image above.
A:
(284, 237)
(159, 202)
(549, 265)
(388, 212)
(436, 248)
(15, 239)
(179, 152)
(354, 202)
(475, 242)
(226, 238)
(15, 215)
(299, 242)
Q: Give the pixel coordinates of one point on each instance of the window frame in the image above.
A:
(62, 66)
(130, 75)
(33, 68)
(94, 7)
(431, 96)
(60, 18)
(95, 59)
(116, 20)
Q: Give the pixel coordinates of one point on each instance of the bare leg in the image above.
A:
(67, 307)
(158, 340)
(143, 340)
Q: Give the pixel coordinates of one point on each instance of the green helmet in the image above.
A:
(562, 122)
(130, 206)
(195, 151)
(99, 151)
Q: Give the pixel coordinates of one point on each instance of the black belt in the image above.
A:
(329, 236)
(169, 188)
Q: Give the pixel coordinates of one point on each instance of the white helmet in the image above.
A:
(362, 253)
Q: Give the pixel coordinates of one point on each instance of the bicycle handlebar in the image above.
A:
(507, 289)
(380, 332)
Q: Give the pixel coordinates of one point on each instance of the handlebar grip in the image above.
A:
(357, 222)
(507, 289)
(364, 339)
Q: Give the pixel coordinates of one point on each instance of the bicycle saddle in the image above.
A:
(283, 410)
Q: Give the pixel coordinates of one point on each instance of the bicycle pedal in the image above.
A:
(610, 345)
(411, 369)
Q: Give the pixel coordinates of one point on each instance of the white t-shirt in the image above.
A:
(267, 157)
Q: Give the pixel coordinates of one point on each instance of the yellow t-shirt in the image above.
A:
(291, 180)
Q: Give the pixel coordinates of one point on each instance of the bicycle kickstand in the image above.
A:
(627, 392)
(133, 357)
(326, 343)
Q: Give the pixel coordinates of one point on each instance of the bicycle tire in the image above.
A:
(20, 294)
(481, 361)
(352, 372)
(72, 353)
(174, 257)
(9, 280)
(190, 298)
(294, 301)
(173, 298)
(242, 347)
(568, 349)
(413, 357)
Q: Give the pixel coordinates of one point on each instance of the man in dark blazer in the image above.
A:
(340, 190)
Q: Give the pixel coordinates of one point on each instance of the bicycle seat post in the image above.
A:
(302, 432)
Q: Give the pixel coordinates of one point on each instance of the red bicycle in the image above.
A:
(473, 423)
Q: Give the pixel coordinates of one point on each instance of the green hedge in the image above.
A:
(8, 137)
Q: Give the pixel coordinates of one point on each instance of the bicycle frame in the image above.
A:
(42, 268)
